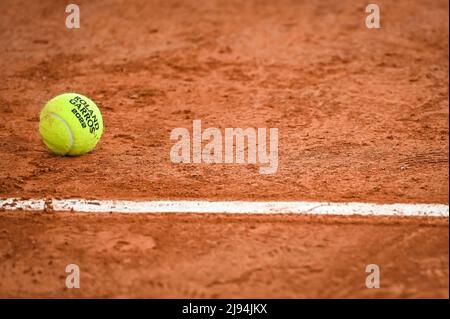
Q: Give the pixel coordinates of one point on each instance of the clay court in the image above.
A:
(362, 116)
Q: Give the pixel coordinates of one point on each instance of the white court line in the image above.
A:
(226, 207)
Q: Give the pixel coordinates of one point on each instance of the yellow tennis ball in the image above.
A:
(70, 124)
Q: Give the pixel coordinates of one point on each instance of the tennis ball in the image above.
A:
(70, 124)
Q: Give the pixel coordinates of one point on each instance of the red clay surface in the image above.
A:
(188, 256)
(362, 116)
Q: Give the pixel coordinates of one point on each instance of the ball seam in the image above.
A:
(68, 129)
